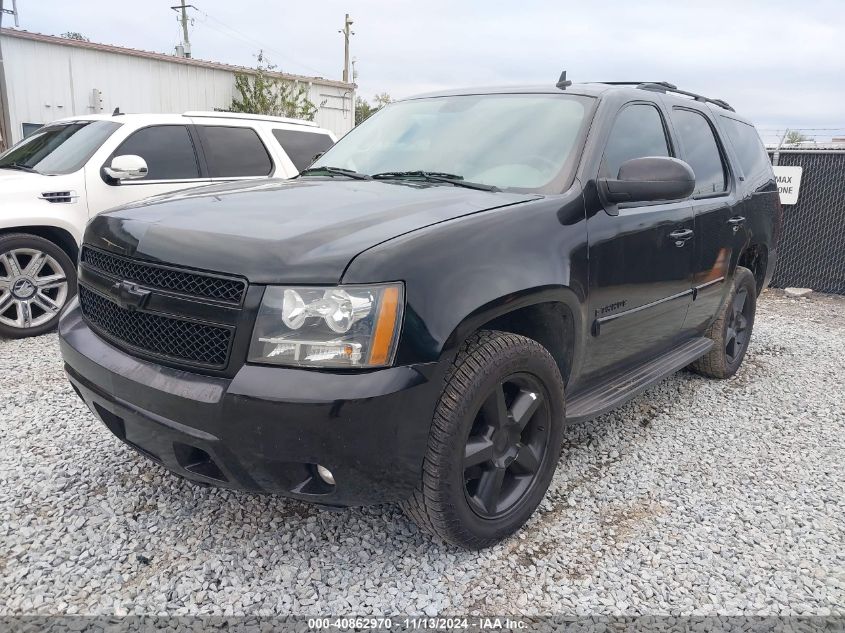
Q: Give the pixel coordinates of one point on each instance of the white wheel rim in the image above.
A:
(33, 288)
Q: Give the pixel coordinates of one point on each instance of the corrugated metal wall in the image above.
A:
(49, 81)
(811, 250)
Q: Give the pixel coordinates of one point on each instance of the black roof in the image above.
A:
(590, 89)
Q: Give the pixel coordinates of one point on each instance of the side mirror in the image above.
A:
(651, 179)
(127, 167)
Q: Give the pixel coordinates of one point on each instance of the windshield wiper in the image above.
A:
(19, 167)
(336, 171)
(435, 176)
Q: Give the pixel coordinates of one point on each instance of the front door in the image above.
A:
(172, 160)
(640, 255)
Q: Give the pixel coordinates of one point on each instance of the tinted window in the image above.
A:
(167, 149)
(302, 147)
(700, 150)
(234, 152)
(30, 128)
(637, 132)
(749, 150)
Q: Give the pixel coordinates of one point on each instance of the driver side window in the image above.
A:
(167, 149)
(637, 132)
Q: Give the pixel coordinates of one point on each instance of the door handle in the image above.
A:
(680, 236)
(736, 221)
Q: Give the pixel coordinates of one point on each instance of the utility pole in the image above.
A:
(13, 12)
(5, 121)
(346, 33)
(186, 42)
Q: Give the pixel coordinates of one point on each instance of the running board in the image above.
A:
(617, 390)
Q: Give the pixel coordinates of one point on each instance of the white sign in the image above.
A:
(789, 181)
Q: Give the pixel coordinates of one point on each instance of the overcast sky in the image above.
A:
(782, 63)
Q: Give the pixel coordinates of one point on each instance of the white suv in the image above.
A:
(66, 172)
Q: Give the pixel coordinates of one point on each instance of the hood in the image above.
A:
(300, 231)
(14, 181)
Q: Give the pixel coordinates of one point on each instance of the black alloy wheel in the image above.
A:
(494, 442)
(731, 329)
(737, 332)
(505, 445)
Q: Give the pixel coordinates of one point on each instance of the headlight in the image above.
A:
(341, 326)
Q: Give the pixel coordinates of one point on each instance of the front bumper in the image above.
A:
(266, 428)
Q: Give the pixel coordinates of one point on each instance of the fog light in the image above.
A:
(325, 474)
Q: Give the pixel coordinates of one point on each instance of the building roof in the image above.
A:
(806, 147)
(192, 61)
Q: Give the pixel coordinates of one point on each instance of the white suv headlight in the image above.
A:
(339, 326)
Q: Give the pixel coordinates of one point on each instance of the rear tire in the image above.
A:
(494, 444)
(37, 279)
(731, 331)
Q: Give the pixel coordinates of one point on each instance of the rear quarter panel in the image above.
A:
(757, 200)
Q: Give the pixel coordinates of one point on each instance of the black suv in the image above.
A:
(417, 316)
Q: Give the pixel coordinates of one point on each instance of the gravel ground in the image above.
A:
(699, 497)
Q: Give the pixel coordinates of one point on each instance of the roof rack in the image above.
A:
(251, 117)
(665, 86)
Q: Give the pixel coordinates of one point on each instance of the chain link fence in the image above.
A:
(811, 250)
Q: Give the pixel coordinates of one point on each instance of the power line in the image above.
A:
(236, 34)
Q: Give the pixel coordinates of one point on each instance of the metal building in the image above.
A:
(48, 78)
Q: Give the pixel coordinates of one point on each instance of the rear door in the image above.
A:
(234, 152)
(716, 235)
(640, 254)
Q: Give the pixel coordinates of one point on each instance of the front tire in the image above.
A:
(37, 279)
(731, 331)
(494, 443)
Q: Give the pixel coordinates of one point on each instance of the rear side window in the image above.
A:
(302, 147)
(700, 150)
(749, 150)
(637, 132)
(167, 149)
(234, 152)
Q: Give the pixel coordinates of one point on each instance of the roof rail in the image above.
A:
(250, 117)
(638, 83)
(665, 86)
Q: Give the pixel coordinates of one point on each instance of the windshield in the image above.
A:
(510, 141)
(59, 148)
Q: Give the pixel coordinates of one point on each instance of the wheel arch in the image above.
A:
(755, 257)
(60, 237)
(550, 315)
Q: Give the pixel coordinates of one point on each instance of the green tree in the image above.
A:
(382, 100)
(261, 92)
(73, 35)
(793, 136)
(363, 109)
